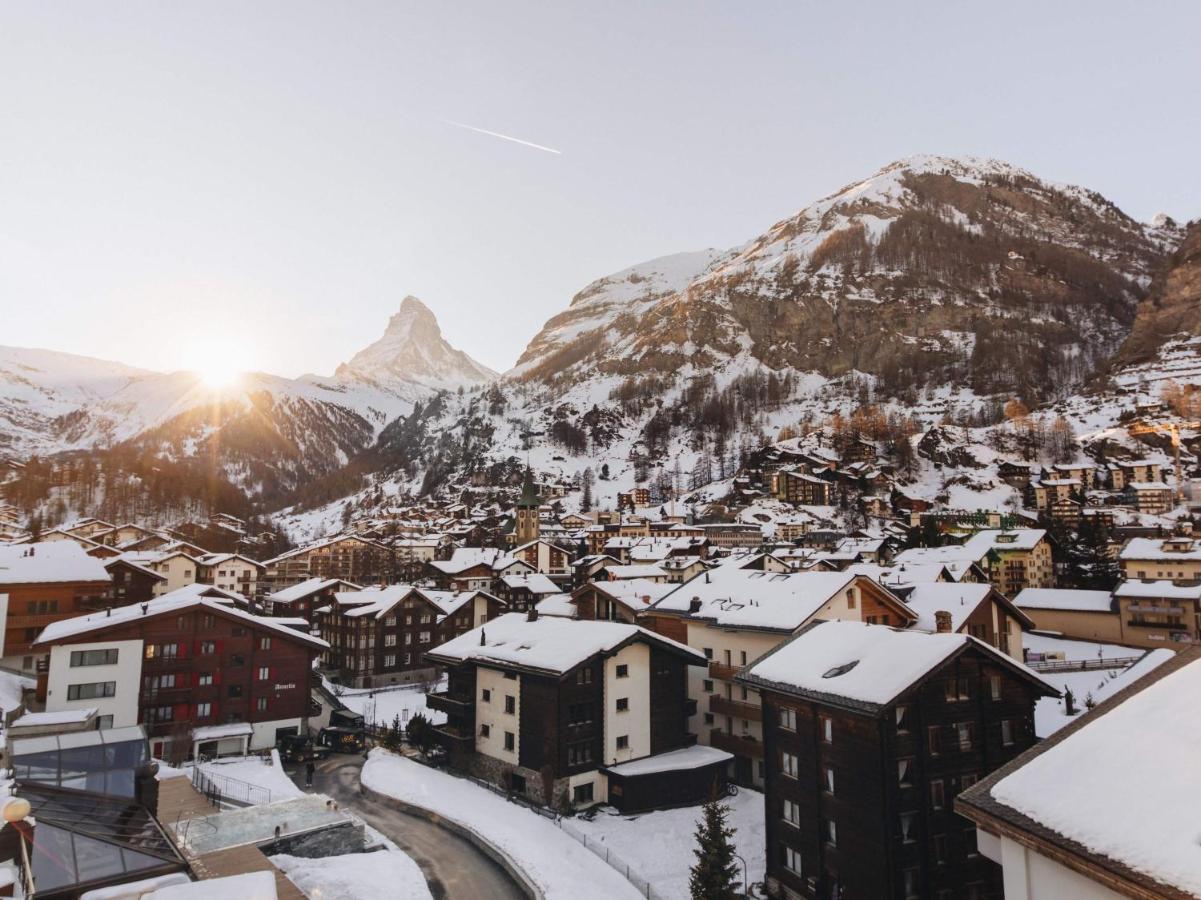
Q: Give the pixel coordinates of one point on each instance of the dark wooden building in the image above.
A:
(348, 557)
(571, 713)
(131, 582)
(869, 733)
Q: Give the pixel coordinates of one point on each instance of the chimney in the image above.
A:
(482, 632)
(145, 608)
(706, 576)
(942, 622)
(694, 605)
(145, 786)
(531, 614)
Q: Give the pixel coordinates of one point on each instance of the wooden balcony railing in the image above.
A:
(739, 709)
(724, 671)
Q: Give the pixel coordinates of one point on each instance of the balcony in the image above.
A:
(690, 707)
(1160, 626)
(452, 705)
(450, 736)
(725, 671)
(738, 745)
(739, 709)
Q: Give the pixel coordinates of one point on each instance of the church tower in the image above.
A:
(527, 527)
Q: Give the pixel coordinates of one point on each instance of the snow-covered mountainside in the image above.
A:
(933, 271)
(412, 350)
(267, 434)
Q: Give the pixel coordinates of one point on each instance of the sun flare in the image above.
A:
(218, 370)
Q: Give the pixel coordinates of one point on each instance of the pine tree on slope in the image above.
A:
(713, 876)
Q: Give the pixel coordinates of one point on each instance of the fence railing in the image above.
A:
(1082, 665)
(223, 789)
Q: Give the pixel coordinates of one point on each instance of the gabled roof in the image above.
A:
(866, 667)
(1064, 599)
(307, 588)
(550, 644)
(378, 602)
(49, 562)
(1075, 797)
(193, 595)
(734, 597)
(464, 558)
(636, 594)
(960, 600)
(534, 582)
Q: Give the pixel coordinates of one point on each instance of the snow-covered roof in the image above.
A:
(377, 602)
(695, 757)
(624, 573)
(960, 600)
(307, 588)
(464, 558)
(216, 732)
(172, 603)
(1153, 548)
(744, 598)
(557, 605)
(49, 562)
(534, 582)
(550, 643)
(1164, 589)
(636, 593)
(59, 717)
(865, 664)
(1140, 486)
(1083, 787)
(1063, 599)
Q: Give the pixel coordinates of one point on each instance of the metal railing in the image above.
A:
(219, 789)
(1082, 665)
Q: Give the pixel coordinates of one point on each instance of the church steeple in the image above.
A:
(527, 527)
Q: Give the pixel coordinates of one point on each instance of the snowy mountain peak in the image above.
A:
(412, 348)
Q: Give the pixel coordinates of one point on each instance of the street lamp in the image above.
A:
(745, 887)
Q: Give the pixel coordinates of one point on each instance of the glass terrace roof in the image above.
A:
(103, 762)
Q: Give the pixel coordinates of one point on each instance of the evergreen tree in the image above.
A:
(586, 486)
(714, 875)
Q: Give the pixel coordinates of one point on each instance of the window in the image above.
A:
(584, 676)
(579, 714)
(707, 686)
(510, 740)
(237, 660)
(579, 754)
(938, 796)
(934, 739)
(994, 686)
(264, 673)
(261, 704)
(902, 717)
(208, 648)
(486, 695)
(908, 827)
(708, 653)
(235, 690)
(424, 637)
(792, 860)
(828, 780)
(830, 832)
(510, 676)
(162, 651)
(912, 884)
(204, 710)
(787, 718)
(788, 764)
(623, 704)
(792, 813)
(905, 772)
(208, 621)
(103, 722)
(623, 671)
(964, 732)
(204, 679)
(390, 620)
(93, 657)
(92, 690)
(582, 793)
(485, 731)
(826, 724)
(510, 704)
(851, 599)
(966, 781)
(390, 661)
(1007, 732)
(408, 638)
(958, 689)
(940, 849)
(623, 742)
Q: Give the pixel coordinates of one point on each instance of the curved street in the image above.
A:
(453, 866)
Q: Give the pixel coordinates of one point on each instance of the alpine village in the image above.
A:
(859, 560)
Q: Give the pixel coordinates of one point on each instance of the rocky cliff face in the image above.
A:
(933, 271)
(1172, 311)
(412, 350)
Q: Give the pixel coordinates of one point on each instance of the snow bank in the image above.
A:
(561, 867)
(268, 774)
(660, 844)
(354, 876)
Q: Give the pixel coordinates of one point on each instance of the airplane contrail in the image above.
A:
(503, 137)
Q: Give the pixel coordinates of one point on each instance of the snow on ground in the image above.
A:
(660, 844)
(166, 771)
(1076, 650)
(561, 866)
(1101, 684)
(383, 705)
(355, 876)
(11, 687)
(261, 771)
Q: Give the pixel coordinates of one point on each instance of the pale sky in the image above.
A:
(275, 177)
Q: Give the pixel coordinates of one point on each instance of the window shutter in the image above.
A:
(180, 712)
(216, 676)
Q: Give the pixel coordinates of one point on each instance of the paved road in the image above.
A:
(454, 868)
